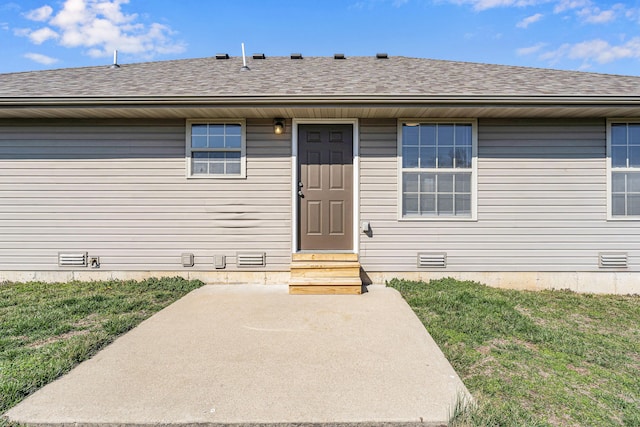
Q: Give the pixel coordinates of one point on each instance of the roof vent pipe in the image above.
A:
(244, 60)
(381, 56)
(115, 60)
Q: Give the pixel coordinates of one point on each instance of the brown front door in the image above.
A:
(325, 172)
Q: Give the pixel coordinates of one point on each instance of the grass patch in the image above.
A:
(550, 358)
(46, 329)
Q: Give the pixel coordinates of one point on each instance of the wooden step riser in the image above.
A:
(324, 257)
(329, 272)
(320, 281)
(324, 264)
(325, 290)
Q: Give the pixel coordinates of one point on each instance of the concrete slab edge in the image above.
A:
(302, 424)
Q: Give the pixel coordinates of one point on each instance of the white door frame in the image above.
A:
(295, 200)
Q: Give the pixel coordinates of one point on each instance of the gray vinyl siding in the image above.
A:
(541, 202)
(118, 190)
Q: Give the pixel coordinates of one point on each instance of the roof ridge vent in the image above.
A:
(222, 56)
(296, 56)
(382, 56)
(258, 56)
(339, 56)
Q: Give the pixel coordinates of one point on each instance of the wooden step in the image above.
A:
(325, 290)
(323, 281)
(325, 273)
(322, 256)
(325, 269)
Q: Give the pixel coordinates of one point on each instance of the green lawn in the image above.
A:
(529, 358)
(47, 329)
(536, 358)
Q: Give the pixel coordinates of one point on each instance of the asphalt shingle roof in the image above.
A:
(312, 76)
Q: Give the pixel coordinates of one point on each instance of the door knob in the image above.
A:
(300, 193)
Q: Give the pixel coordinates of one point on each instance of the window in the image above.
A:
(624, 172)
(437, 164)
(215, 149)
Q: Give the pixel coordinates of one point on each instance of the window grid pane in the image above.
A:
(625, 193)
(216, 135)
(216, 149)
(625, 185)
(436, 194)
(440, 155)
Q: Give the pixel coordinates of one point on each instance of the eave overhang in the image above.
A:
(391, 105)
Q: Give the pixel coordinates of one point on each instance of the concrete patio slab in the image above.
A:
(254, 355)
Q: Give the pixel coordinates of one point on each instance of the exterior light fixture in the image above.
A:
(278, 126)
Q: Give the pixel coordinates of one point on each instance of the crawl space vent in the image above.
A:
(432, 260)
(251, 259)
(72, 259)
(613, 260)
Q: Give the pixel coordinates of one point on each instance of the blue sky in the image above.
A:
(586, 35)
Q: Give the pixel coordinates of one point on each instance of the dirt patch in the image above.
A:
(485, 349)
(87, 322)
(502, 343)
(51, 340)
(581, 371)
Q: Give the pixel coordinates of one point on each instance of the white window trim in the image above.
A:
(610, 170)
(243, 148)
(474, 170)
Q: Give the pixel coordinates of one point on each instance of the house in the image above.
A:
(322, 172)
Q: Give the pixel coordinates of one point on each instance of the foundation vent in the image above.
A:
(72, 259)
(613, 260)
(432, 260)
(251, 259)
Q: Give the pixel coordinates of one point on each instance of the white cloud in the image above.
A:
(529, 20)
(597, 50)
(4, 26)
(40, 14)
(42, 35)
(593, 15)
(584, 9)
(570, 4)
(101, 26)
(554, 56)
(22, 32)
(602, 52)
(9, 7)
(491, 4)
(523, 51)
(41, 59)
(633, 14)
